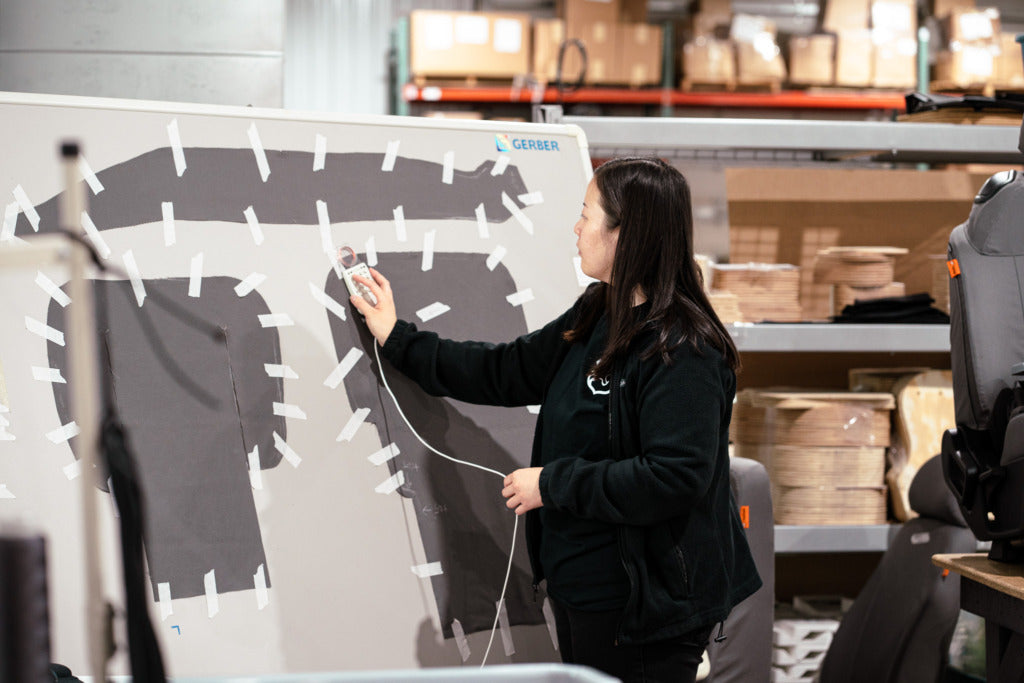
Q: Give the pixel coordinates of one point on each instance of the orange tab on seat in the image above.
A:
(954, 267)
(745, 516)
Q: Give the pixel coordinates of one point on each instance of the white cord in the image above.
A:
(515, 526)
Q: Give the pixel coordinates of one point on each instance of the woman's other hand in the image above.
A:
(380, 318)
(522, 488)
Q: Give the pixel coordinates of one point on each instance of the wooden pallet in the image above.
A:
(688, 85)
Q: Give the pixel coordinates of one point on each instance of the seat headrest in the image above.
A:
(929, 495)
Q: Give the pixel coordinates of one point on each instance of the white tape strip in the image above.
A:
(26, 206)
(391, 484)
(195, 276)
(176, 150)
(481, 222)
(276, 320)
(44, 331)
(64, 433)
(500, 165)
(4, 422)
(51, 288)
(319, 152)
(342, 369)
(583, 279)
(531, 198)
(10, 221)
(255, 473)
(432, 311)
(254, 225)
(383, 455)
(73, 470)
(324, 220)
(371, 252)
(332, 259)
(257, 149)
(164, 591)
(327, 301)
(88, 176)
(353, 424)
(460, 639)
(284, 449)
(210, 584)
(390, 156)
(167, 210)
(399, 214)
(5, 494)
(517, 213)
(279, 371)
(113, 499)
(428, 250)
(425, 571)
(495, 258)
(6, 436)
(251, 282)
(506, 632)
(289, 410)
(448, 173)
(51, 375)
(533, 410)
(259, 581)
(549, 619)
(94, 236)
(135, 276)
(520, 297)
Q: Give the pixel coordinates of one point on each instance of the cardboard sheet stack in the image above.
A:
(824, 452)
(858, 274)
(726, 304)
(765, 291)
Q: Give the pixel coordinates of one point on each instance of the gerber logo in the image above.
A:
(503, 142)
(507, 143)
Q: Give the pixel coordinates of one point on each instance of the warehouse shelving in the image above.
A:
(817, 337)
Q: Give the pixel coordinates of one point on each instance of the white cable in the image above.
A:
(515, 526)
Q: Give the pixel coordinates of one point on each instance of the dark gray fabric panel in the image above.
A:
(929, 496)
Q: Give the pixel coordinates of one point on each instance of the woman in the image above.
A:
(629, 514)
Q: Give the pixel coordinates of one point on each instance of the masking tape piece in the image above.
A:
(254, 225)
(390, 156)
(343, 368)
(495, 258)
(448, 173)
(517, 213)
(460, 640)
(335, 263)
(26, 206)
(64, 433)
(195, 276)
(284, 371)
(289, 410)
(51, 375)
(399, 213)
(319, 152)
(259, 581)
(285, 450)
(324, 221)
(531, 198)
(276, 320)
(327, 301)
(210, 584)
(371, 252)
(549, 619)
(257, 149)
(481, 222)
(6, 494)
(176, 150)
(93, 233)
(432, 311)
(425, 571)
(520, 297)
(164, 591)
(383, 455)
(167, 211)
(51, 288)
(506, 632)
(73, 470)
(44, 331)
(428, 250)
(533, 410)
(353, 424)
(255, 473)
(582, 278)
(500, 165)
(113, 499)
(88, 176)
(10, 221)
(391, 484)
(135, 276)
(251, 282)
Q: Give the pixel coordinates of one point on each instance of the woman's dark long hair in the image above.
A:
(648, 201)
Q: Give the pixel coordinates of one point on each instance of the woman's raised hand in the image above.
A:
(380, 318)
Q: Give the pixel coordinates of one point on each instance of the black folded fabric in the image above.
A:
(911, 309)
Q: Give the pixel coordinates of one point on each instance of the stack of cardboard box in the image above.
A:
(725, 49)
(858, 274)
(848, 20)
(972, 48)
(894, 35)
(758, 58)
(468, 45)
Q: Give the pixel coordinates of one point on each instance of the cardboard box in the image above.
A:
(759, 64)
(710, 61)
(640, 54)
(548, 35)
(720, 9)
(1009, 72)
(633, 11)
(969, 66)
(971, 26)
(854, 58)
(846, 15)
(894, 18)
(895, 64)
(600, 40)
(940, 8)
(476, 44)
(576, 12)
(812, 59)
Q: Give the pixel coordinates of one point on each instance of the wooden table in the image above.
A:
(994, 591)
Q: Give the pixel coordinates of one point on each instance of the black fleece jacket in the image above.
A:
(666, 486)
